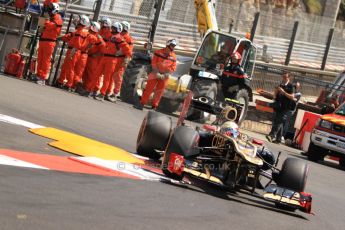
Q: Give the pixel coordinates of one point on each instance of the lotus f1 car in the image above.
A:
(235, 162)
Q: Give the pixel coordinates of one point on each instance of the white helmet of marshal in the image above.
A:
(84, 20)
(126, 26)
(54, 8)
(172, 42)
(95, 26)
(117, 26)
(229, 128)
(106, 21)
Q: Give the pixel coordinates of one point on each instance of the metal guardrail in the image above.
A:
(304, 53)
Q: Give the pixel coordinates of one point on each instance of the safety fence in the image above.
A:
(269, 77)
(178, 19)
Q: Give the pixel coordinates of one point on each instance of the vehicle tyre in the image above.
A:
(153, 134)
(182, 142)
(202, 88)
(168, 106)
(293, 174)
(135, 70)
(315, 153)
(243, 97)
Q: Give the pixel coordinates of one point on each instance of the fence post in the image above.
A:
(292, 42)
(155, 21)
(328, 46)
(255, 25)
(97, 10)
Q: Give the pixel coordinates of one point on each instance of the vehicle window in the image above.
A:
(249, 61)
(215, 49)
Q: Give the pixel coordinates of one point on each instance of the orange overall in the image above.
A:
(121, 66)
(77, 41)
(52, 29)
(80, 65)
(163, 62)
(90, 80)
(114, 48)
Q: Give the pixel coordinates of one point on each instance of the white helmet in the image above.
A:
(172, 42)
(84, 20)
(117, 26)
(126, 26)
(95, 26)
(106, 21)
(229, 128)
(54, 8)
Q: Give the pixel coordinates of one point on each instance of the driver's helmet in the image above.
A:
(229, 128)
(235, 57)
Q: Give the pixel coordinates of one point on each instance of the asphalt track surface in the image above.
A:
(42, 199)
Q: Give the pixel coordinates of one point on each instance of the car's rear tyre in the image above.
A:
(182, 142)
(293, 174)
(315, 153)
(153, 134)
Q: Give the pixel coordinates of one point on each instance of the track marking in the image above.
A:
(6, 160)
(83, 146)
(16, 121)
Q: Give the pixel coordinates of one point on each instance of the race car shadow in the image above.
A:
(241, 196)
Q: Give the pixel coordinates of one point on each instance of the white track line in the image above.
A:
(16, 121)
(5, 160)
(119, 166)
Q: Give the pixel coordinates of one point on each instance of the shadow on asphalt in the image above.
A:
(207, 188)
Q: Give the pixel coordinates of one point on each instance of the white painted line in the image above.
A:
(140, 157)
(16, 121)
(5, 160)
(123, 167)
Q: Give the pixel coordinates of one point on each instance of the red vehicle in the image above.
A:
(328, 137)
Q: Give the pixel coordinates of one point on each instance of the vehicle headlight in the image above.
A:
(325, 124)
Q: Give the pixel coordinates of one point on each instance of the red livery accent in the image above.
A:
(306, 201)
(208, 127)
(176, 164)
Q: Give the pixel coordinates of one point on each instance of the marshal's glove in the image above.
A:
(160, 76)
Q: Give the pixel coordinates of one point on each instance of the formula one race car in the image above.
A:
(221, 155)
